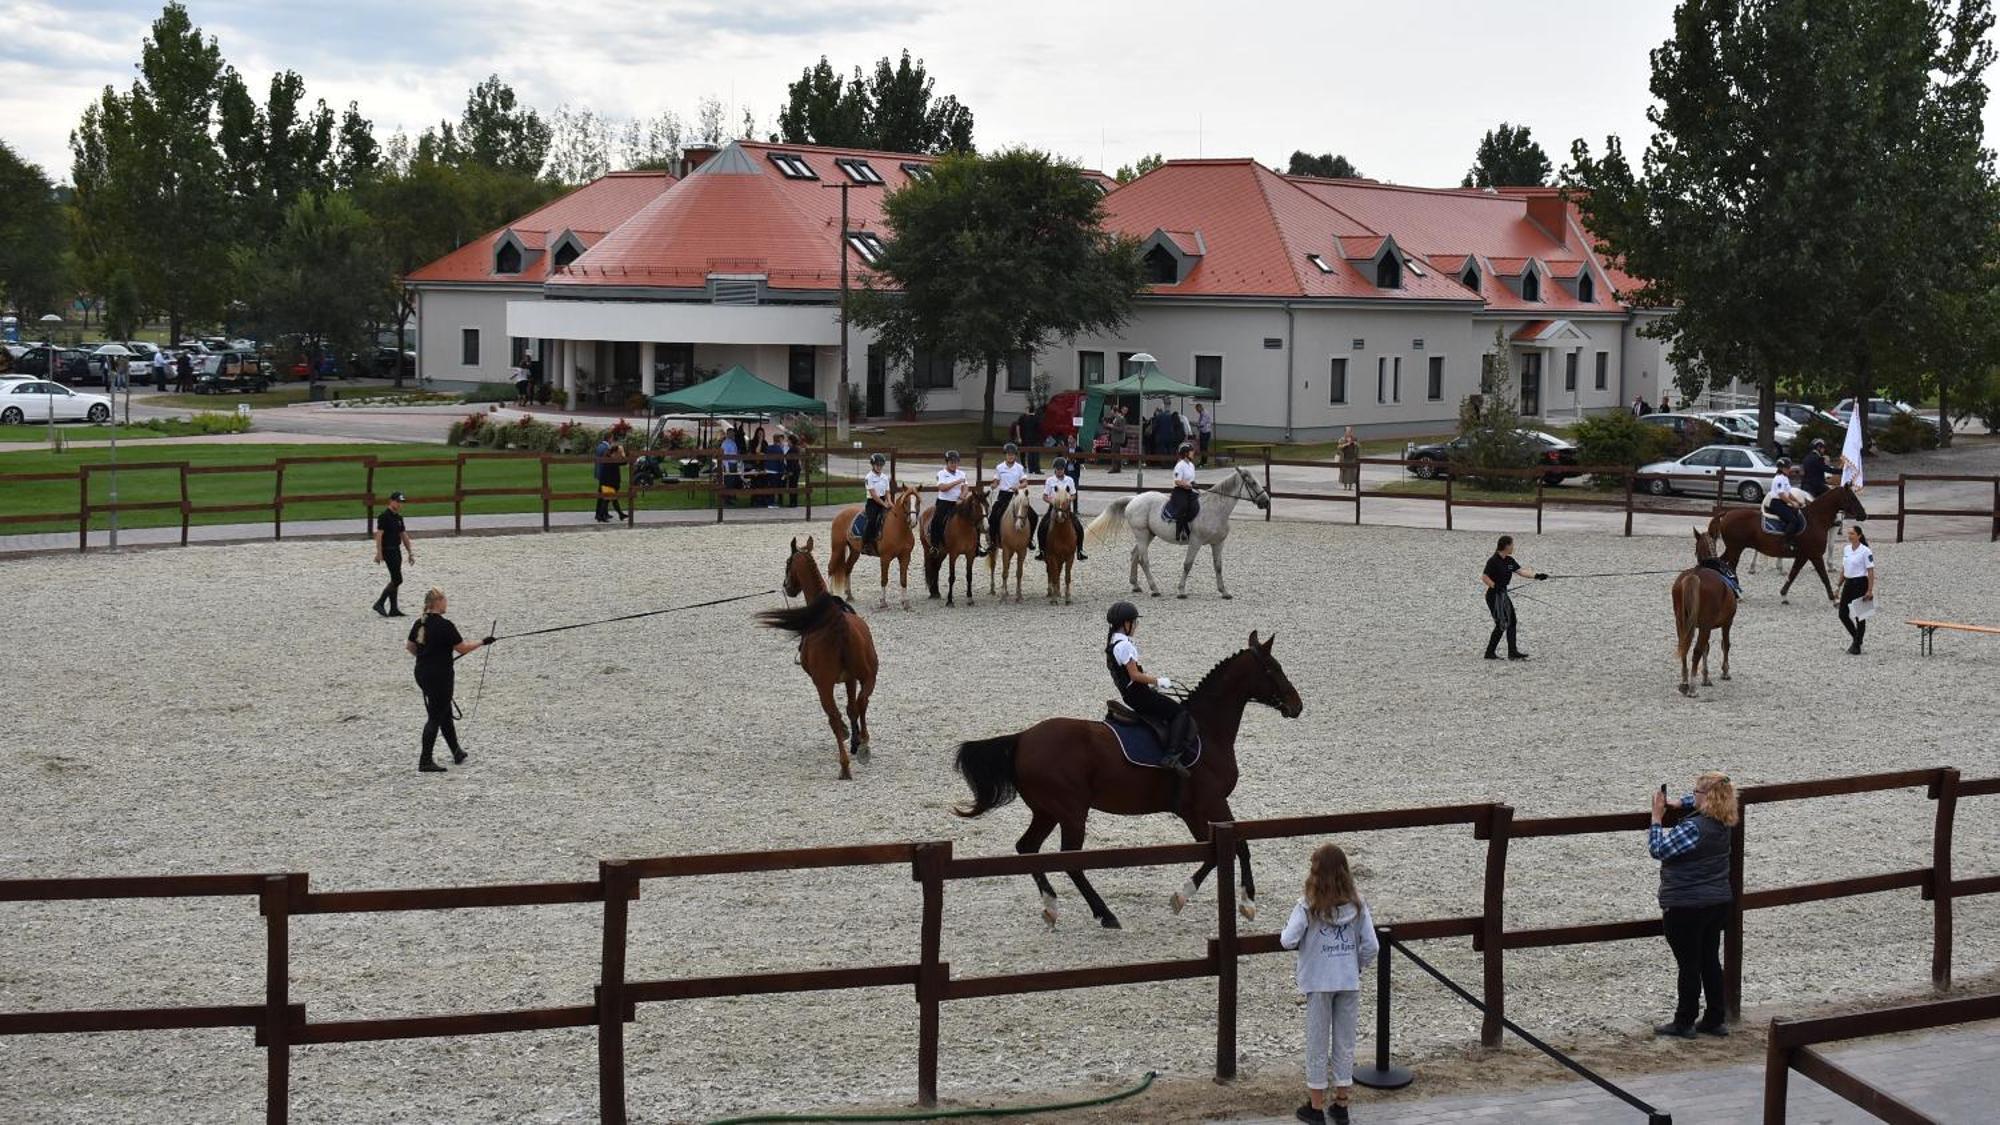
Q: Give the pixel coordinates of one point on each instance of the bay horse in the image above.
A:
(894, 542)
(1703, 603)
(1142, 514)
(961, 537)
(835, 647)
(1059, 544)
(1064, 768)
(1016, 539)
(1743, 528)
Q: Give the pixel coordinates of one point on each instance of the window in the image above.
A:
(1161, 268)
(1603, 370)
(1396, 379)
(1531, 285)
(930, 371)
(1735, 459)
(673, 365)
(1417, 344)
(1415, 269)
(1125, 364)
(1381, 378)
(1319, 263)
(1359, 344)
(1471, 278)
(1434, 385)
(1208, 373)
(1337, 382)
(918, 172)
(468, 347)
(1586, 289)
(1089, 368)
(1569, 371)
(566, 253)
(794, 166)
(859, 170)
(1020, 376)
(508, 260)
(1274, 343)
(519, 351)
(801, 370)
(1389, 272)
(866, 243)
(1703, 458)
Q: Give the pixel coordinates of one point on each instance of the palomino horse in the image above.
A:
(1703, 602)
(893, 543)
(1016, 539)
(835, 647)
(1142, 514)
(961, 537)
(1059, 545)
(1064, 768)
(1742, 529)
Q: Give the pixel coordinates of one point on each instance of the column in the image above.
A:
(569, 348)
(646, 369)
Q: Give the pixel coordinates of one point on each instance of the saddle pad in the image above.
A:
(1142, 747)
(1775, 527)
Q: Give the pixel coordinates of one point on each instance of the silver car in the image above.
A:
(1746, 472)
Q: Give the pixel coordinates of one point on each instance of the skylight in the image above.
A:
(867, 244)
(1319, 263)
(919, 172)
(859, 170)
(794, 166)
(1413, 266)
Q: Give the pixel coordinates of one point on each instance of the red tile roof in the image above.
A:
(1532, 329)
(590, 211)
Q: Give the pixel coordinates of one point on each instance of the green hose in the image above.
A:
(940, 1114)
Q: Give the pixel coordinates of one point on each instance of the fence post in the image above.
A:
(278, 500)
(805, 468)
(185, 514)
(83, 508)
(1267, 485)
(1447, 501)
(620, 888)
(458, 496)
(1222, 836)
(1945, 792)
(1996, 511)
(931, 861)
(1777, 1075)
(1900, 504)
(545, 491)
(1491, 928)
(716, 480)
(274, 902)
(1383, 1075)
(1732, 938)
(1627, 474)
(1538, 504)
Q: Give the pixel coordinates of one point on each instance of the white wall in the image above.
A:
(443, 314)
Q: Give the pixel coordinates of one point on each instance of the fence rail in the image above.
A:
(1791, 1046)
(280, 1024)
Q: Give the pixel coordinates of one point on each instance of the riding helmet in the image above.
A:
(1120, 613)
(951, 454)
(877, 459)
(1819, 443)
(1061, 463)
(1010, 447)
(1784, 462)
(1187, 447)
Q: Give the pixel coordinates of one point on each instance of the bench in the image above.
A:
(1927, 638)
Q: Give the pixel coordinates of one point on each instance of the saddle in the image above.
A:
(1142, 740)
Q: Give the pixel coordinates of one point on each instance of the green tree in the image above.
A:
(357, 157)
(321, 276)
(1326, 165)
(34, 239)
(498, 132)
(822, 108)
(993, 256)
(1129, 172)
(905, 114)
(1490, 422)
(1508, 157)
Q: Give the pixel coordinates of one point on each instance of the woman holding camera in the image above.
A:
(1696, 897)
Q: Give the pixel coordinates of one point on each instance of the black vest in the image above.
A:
(1119, 676)
(1699, 877)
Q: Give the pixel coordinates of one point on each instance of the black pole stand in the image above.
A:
(1382, 1076)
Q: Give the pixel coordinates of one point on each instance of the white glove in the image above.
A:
(1164, 683)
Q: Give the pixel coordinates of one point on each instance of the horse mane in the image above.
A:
(803, 619)
(1702, 550)
(1202, 684)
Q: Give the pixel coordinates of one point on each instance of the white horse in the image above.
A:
(1142, 514)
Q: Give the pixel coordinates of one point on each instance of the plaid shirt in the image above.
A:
(1666, 843)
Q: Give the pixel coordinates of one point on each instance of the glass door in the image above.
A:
(1531, 384)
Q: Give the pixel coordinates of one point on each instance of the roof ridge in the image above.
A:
(1295, 263)
(1385, 185)
(847, 150)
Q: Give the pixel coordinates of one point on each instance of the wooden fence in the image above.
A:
(1791, 1047)
(280, 1024)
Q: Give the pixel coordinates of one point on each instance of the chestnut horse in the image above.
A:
(1059, 544)
(835, 647)
(1703, 602)
(1739, 530)
(893, 542)
(961, 537)
(1063, 768)
(1017, 538)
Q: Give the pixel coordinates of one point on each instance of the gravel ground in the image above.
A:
(238, 709)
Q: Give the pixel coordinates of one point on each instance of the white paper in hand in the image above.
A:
(1861, 609)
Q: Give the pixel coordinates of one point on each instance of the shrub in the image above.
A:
(1989, 413)
(1819, 428)
(1905, 433)
(637, 403)
(619, 431)
(1620, 439)
(465, 431)
(676, 438)
(491, 392)
(1492, 428)
(910, 398)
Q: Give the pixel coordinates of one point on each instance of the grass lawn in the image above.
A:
(279, 396)
(1458, 491)
(37, 433)
(143, 485)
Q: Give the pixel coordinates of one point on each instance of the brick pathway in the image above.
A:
(1952, 1075)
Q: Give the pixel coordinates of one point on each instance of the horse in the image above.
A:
(1703, 602)
(1743, 528)
(894, 542)
(961, 537)
(1064, 768)
(1142, 514)
(1011, 546)
(1059, 545)
(835, 647)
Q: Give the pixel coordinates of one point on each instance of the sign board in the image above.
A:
(243, 409)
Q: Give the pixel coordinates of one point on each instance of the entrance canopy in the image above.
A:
(735, 392)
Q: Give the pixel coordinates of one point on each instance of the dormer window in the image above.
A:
(508, 260)
(1586, 289)
(1319, 263)
(1471, 278)
(1531, 285)
(867, 244)
(1389, 271)
(1161, 268)
(794, 166)
(918, 172)
(568, 252)
(858, 170)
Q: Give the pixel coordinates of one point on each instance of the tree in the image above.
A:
(34, 238)
(499, 133)
(993, 256)
(357, 157)
(321, 276)
(579, 146)
(906, 116)
(1326, 165)
(822, 108)
(1508, 157)
(652, 143)
(711, 121)
(1147, 163)
(1490, 422)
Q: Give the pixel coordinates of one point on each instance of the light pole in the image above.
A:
(1147, 366)
(115, 356)
(49, 322)
(842, 424)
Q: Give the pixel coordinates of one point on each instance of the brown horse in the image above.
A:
(961, 537)
(835, 647)
(1059, 545)
(1064, 768)
(1739, 530)
(1016, 539)
(893, 543)
(1703, 602)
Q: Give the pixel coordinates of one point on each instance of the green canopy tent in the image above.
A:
(1145, 384)
(735, 393)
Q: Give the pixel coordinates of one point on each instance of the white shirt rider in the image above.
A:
(1781, 487)
(1856, 561)
(950, 484)
(1184, 472)
(877, 483)
(1058, 484)
(1008, 474)
(1125, 651)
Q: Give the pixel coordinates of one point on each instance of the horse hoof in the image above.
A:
(1227, 596)
(1049, 919)
(1109, 922)
(1176, 903)
(1687, 691)
(861, 752)
(845, 773)
(1156, 593)
(1247, 908)
(1725, 675)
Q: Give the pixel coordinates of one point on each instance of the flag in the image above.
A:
(1850, 450)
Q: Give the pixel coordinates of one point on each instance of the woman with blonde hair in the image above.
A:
(1335, 936)
(1696, 897)
(435, 642)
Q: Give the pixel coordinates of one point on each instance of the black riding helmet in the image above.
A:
(1010, 447)
(1121, 613)
(950, 455)
(1061, 464)
(1784, 462)
(1187, 447)
(1819, 443)
(877, 460)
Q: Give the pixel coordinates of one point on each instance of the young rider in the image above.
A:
(1007, 477)
(1142, 691)
(1185, 506)
(1059, 484)
(877, 484)
(1784, 503)
(950, 489)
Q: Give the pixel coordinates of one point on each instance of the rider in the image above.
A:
(1182, 502)
(1813, 470)
(1059, 484)
(1784, 503)
(1007, 477)
(1144, 692)
(877, 484)
(950, 489)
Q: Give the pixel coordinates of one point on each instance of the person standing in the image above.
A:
(1500, 570)
(950, 490)
(1857, 574)
(606, 475)
(1696, 898)
(1007, 478)
(1666, 403)
(1144, 692)
(777, 465)
(1349, 452)
(1117, 432)
(1334, 932)
(732, 468)
(1204, 431)
(159, 367)
(184, 373)
(435, 642)
(392, 543)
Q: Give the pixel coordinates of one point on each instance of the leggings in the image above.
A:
(939, 517)
(1502, 608)
(392, 558)
(1851, 591)
(1694, 933)
(1330, 1019)
(437, 713)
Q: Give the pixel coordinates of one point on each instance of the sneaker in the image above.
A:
(1339, 1113)
(1674, 1031)
(1517, 656)
(1311, 1116)
(428, 766)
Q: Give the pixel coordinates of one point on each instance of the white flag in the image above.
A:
(1850, 450)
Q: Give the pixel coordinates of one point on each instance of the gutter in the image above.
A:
(1291, 356)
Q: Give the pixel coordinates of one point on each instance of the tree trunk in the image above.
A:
(986, 410)
(1767, 408)
(1944, 409)
(173, 328)
(402, 324)
(1864, 379)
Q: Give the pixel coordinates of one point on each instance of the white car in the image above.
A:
(1784, 431)
(1749, 470)
(29, 400)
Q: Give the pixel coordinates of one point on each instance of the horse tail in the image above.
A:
(987, 766)
(1101, 526)
(805, 618)
(933, 566)
(1688, 585)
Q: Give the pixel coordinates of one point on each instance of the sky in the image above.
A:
(1403, 89)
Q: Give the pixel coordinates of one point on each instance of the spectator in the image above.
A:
(1031, 440)
(159, 365)
(1117, 431)
(1350, 460)
(523, 388)
(1204, 430)
(732, 467)
(610, 475)
(1696, 897)
(1639, 407)
(1335, 935)
(1666, 404)
(184, 373)
(795, 469)
(775, 464)
(392, 542)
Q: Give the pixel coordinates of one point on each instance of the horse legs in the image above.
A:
(968, 575)
(1819, 564)
(832, 710)
(884, 603)
(1725, 652)
(1020, 574)
(903, 567)
(1030, 842)
(1068, 572)
(1798, 564)
(1215, 553)
(951, 581)
(1248, 889)
(1142, 559)
(1684, 638)
(1701, 647)
(993, 558)
(858, 692)
(1072, 840)
(1187, 566)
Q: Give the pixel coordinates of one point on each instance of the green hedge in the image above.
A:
(1621, 439)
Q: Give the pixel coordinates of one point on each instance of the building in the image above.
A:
(1309, 304)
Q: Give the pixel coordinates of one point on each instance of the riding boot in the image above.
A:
(427, 764)
(1180, 743)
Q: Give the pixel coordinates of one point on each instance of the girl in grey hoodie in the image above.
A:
(1335, 936)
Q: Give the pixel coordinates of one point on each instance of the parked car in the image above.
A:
(72, 364)
(1880, 410)
(1800, 413)
(1433, 460)
(30, 400)
(1693, 431)
(381, 363)
(1784, 431)
(1749, 470)
(225, 372)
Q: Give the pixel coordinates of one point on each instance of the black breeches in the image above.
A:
(392, 558)
(871, 520)
(1851, 591)
(1151, 704)
(939, 515)
(1694, 933)
(993, 517)
(437, 712)
(1502, 608)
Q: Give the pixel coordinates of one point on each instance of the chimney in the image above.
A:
(1550, 213)
(694, 156)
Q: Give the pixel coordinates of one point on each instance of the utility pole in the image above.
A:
(841, 420)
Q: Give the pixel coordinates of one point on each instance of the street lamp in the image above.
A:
(1147, 366)
(49, 322)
